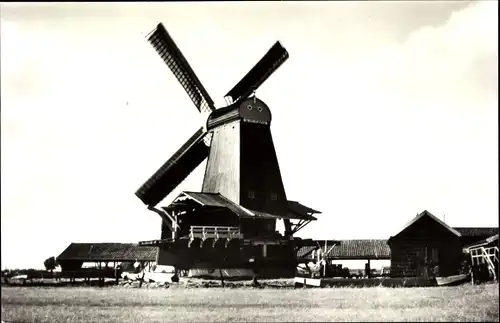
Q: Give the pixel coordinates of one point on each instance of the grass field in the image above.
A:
(118, 304)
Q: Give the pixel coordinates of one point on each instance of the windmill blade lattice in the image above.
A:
(175, 60)
(191, 154)
(267, 65)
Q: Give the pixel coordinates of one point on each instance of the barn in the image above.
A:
(428, 247)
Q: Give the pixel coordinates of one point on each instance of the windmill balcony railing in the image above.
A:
(214, 232)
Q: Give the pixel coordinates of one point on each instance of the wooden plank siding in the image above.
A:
(418, 257)
(420, 247)
(276, 261)
(222, 173)
(260, 171)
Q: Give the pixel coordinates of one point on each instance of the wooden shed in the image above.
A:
(428, 247)
(73, 257)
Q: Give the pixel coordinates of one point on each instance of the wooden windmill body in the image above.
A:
(231, 223)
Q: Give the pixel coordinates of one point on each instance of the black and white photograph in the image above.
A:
(249, 161)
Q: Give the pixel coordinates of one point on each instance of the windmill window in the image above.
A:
(251, 194)
(274, 197)
(249, 107)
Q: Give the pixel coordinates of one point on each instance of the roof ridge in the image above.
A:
(432, 216)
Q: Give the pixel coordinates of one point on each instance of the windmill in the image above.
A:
(231, 223)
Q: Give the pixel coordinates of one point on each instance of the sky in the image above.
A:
(383, 110)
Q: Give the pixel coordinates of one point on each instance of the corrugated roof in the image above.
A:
(477, 232)
(362, 248)
(303, 252)
(352, 249)
(90, 252)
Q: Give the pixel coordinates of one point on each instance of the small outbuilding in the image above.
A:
(428, 247)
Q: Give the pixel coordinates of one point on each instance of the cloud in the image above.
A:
(430, 121)
(438, 60)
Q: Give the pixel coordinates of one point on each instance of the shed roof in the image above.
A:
(430, 215)
(90, 252)
(477, 232)
(482, 243)
(351, 249)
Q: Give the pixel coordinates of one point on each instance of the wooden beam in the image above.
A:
(301, 225)
(165, 219)
(296, 226)
(221, 277)
(327, 252)
(173, 219)
(358, 258)
(288, 227)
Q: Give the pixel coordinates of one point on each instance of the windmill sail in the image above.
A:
(273, 59)
(170, 53)
(175, 170)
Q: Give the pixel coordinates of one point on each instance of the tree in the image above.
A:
(50, 263)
